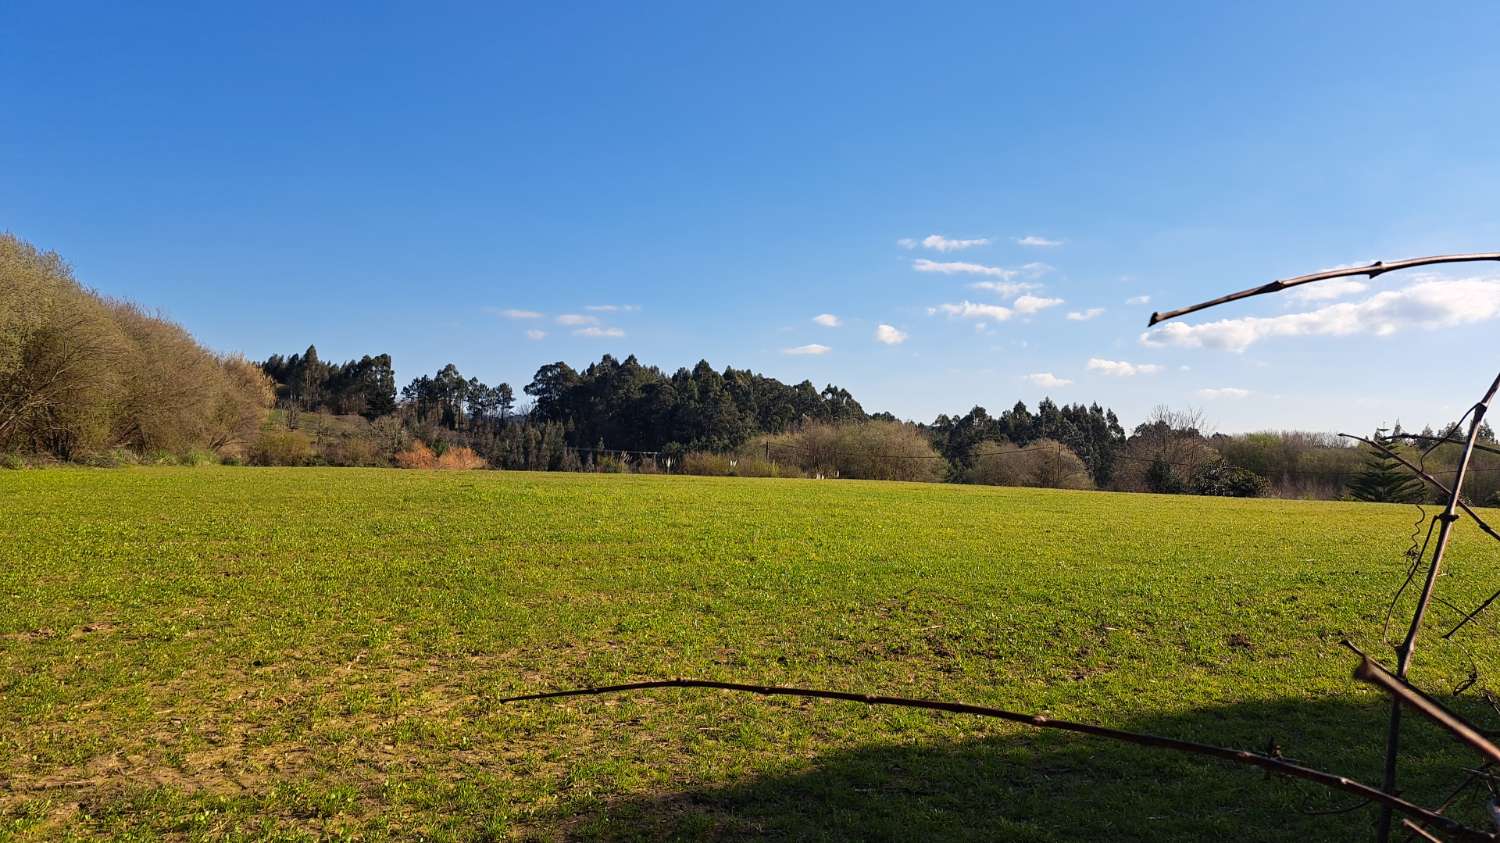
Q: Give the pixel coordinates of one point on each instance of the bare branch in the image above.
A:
(1370, 271)
(1374, 674)
(1425, 438)
(1239, 756)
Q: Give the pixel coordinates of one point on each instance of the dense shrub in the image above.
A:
(460, 459)
(81, 375)
(1044, 463)
(281, 447)
(1224, 480)
(354, 451)
(873, 450)
(416, 455)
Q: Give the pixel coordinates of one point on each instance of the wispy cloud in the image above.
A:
(613, 308)
(1047, 379)
(810, 348)
(907, 243)
(1425, 305)
(577, 319)
(1224, 392)
(1004, 289)
(1333, 288)
(1138, 300)
(1034, 304)
(1035, 240)
(1085, 315)
(534, 334)
(513, 313)
(962, 268)
(970, 310)
(1120, 368)
(597, 331)
(828, 320)
(890, 334)
(943, 244)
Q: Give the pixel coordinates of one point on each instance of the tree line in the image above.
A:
(87, 378)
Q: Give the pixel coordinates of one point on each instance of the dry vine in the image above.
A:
(1418, 821)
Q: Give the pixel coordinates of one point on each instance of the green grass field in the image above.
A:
(228, 653)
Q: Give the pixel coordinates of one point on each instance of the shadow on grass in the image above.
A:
(1020, 784)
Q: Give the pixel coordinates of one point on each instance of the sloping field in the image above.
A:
(244, 653)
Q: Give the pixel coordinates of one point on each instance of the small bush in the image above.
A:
(281, 447)
(1224, 480)
(13, 462)
(705, 463)
(354, 451)
(460, 459)
(199, 456)
(416, 455)
(113, 458)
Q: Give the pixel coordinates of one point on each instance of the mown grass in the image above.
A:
(236, 653)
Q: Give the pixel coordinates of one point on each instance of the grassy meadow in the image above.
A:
(238, 653)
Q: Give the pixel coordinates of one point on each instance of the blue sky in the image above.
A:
(397, 177)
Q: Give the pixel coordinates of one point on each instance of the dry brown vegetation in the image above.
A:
(81, 374)
(418, 455)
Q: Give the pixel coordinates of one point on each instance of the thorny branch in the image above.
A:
(1239, 756)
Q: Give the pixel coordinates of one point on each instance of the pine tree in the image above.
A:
(1384, 479)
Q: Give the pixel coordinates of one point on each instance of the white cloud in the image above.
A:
(1048, 380)
(1085, 315)
(970, 310)
(1034, 240)
(1138, 300)
(1004, 289)
(1427, 304)
(1120, 368)
(613, 308)
(828, 320)
(907, 243)
(890, 334)
(577, 319)
(952, 267)
(596, 331)
(810, 348)
(1034, 304)
(1333, 288)
(943, 244)
(512, 313)
(1224, 392)
(534, 334)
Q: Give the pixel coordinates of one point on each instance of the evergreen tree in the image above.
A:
(1383, 479)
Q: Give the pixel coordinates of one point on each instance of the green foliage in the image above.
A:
(1384, 479)
(1093, 433)
(338, 639)
(1224, 480)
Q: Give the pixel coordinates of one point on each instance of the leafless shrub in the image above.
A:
(1045, 463)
